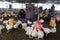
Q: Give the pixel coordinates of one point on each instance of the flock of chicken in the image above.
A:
(30, 30)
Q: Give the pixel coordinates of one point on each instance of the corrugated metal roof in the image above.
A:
(34, 1)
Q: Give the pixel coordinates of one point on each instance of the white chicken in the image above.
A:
(9, 15)
(41, 20)
(24, 25)
(9, 27)
(27, 28)
(1, 19)
(58, 18)
(6, 21)
(40, 34)
(29, 22)
(34, 33)
(15, 15)
(46, 30)
(17, 24)
(1, 27)
(29, 31)
(34, 22)
(32, 26)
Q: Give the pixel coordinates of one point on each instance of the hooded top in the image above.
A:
(5, 14)
(52, 21)
(22, 13)
(11, 21)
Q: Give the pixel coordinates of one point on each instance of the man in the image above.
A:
(22, 14)
(5, 15)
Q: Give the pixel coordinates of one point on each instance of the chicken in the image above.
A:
(46, 30)
(34, 33)
(6, 21)
(32, 26)
(9, 27)
(29, 22)
(41, 20)
(34, 22)
(16, 25)
(19, 22)
(1, 19)
(40, 34)
(15, 15)
(29, 31)
(1, 27)
(24, 25)
(9, 15)
(27, 28)
(58, 18)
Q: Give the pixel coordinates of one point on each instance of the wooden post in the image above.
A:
(38, 17)
(38, 13)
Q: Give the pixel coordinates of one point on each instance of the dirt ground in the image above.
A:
(19, 34)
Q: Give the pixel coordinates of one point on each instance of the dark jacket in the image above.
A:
(22, 13)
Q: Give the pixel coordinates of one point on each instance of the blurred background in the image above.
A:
(18, 4)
